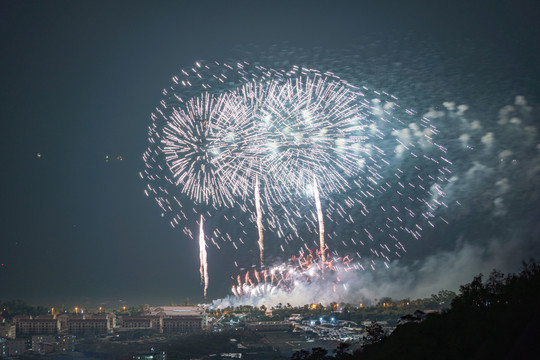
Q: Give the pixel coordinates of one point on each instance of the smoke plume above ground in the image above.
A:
(445, 270)
(495, 182)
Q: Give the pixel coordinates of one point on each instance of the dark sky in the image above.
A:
(79, 80)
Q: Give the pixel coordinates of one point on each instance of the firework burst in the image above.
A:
(303, 155)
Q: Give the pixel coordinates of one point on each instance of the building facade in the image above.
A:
(179, 319)
(87, 326)
(43, 344)
(182, 324)
(26, 326)
(8, 331)
(151, 323)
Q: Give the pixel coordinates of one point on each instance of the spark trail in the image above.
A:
(322, 245)
(202, 256)
(259, 219)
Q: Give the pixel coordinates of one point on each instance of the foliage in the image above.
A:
(131, 311)
(341, 351)
(375, 333)
(12, 308)
(493, 319)
(317, 353)
(443, 298)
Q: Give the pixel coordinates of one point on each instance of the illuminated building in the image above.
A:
(42, 324)
(43, 344)
(182, 324)
(151, 322)
(179, 319)
(89, 325)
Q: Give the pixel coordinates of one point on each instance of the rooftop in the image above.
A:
(176, 310)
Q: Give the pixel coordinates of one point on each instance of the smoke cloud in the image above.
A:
(496, 183)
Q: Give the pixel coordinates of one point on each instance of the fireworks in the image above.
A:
(307, 126)
(300, 154)
(259, 220)
(200, 150)
(202, 254)
(304, 268)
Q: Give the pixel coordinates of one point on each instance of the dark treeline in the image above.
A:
(495, 318)
(9, 309)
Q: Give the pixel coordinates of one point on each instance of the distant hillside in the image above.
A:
(494, 319)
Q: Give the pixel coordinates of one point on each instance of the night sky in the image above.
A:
(80, 79)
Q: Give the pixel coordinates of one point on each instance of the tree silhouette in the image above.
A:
(341, 351)
(375, 333)
(317, 353)
(493, 319)
(300, 355)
